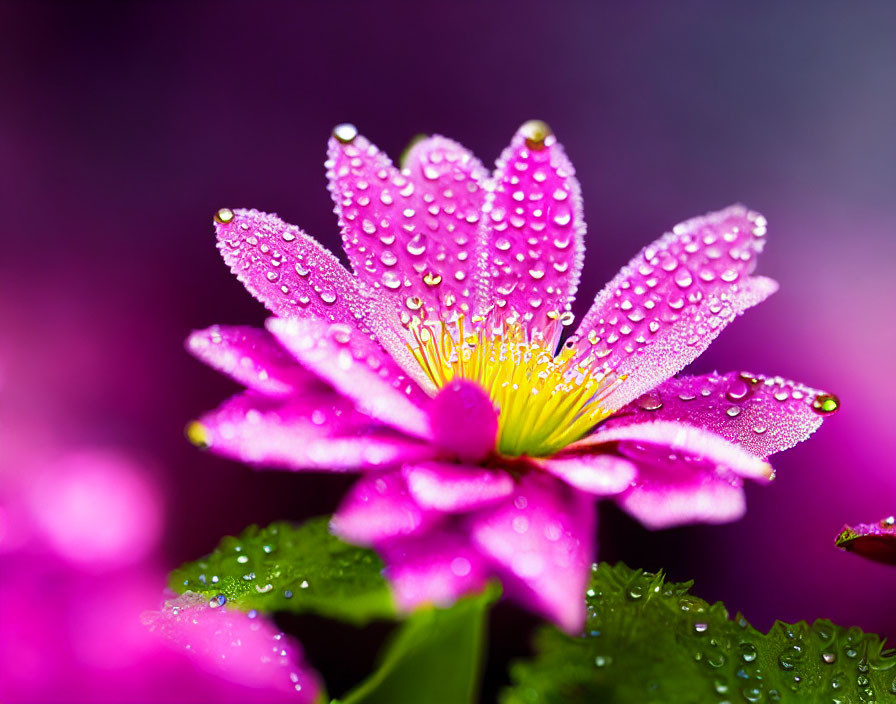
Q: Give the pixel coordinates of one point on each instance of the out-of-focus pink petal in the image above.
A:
(464, 420)
(685, 474)
(252, 356)
(541, 539)
(450, 183)
(312, 431)
(697, 498)
(358, 368)
(672, 300)
(455, 488)
(598, 474)
(379, 508)
(875, 541)
(242, 647)
(294, 276)
(96, 508)
(408, 234)
(765, 415)
(536, 244)
(435, 569)
(654, 441)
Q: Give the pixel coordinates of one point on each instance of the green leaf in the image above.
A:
(284, 567)
(647, 640)
(435, 657)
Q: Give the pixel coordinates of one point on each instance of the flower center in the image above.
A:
(544, 402)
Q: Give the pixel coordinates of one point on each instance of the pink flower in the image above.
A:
(434, 369)
(243, 647)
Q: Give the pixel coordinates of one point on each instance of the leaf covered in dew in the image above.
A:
(287, 567)
(649, 640)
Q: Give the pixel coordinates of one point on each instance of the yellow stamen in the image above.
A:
(545, 402)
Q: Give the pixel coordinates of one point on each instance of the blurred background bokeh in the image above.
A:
(124, 126)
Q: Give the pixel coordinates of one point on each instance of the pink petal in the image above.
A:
(288, 271)
(313, 431)
(536, 246)
(450, 182)
(455, 488)
(672, 300)
(464, 421)
(408, 235)
(542, 541)
(294, 276)
(704, 498)
(358, 368)
(656, 440)
(875, 541)
(252, 356)
(598, 474)
(435, 569)
(242, 647)
(685, 474)
(765, 415)
(379, 508)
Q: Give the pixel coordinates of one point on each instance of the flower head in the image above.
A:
(435, 367)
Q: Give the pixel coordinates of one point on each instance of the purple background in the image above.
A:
(124, 126)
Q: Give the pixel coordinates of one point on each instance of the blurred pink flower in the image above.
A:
(243, 647)
(875, 541)
(434, 368)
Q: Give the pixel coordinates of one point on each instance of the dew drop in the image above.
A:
(650, 401)
(825, 404)
(224, 216)
(535, 132)
(345, 132)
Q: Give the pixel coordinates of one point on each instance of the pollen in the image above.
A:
(544, 401)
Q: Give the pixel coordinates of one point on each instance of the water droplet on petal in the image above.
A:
(535, 132)
(345, 132)
(224, 216)
(825, 404)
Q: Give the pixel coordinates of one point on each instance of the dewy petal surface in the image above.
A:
(245, 649)
(288, 271)
(378, 509)
(874, 541)
(673, 299)
(294, 276)
(251, 356)
(536, 240)
(408, 234)
(764, 415)
(359, 368)
(435, 569)
(450, 183)
(541, 539)
(320, 431)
